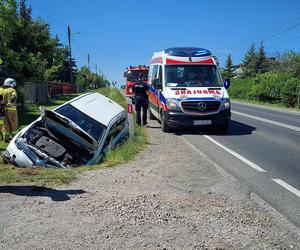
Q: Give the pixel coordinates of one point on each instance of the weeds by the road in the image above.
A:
(39, 176)
(113, 94)
(52, 176)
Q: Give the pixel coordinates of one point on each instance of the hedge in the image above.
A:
(271, 87)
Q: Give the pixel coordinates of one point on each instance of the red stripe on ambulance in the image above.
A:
(206, 62)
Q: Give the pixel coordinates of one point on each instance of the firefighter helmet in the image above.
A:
(10, 82)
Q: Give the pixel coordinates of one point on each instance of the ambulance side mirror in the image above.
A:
(226, 83)
(125, 74)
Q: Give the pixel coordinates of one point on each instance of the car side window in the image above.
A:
(120, 125)
(110, 136)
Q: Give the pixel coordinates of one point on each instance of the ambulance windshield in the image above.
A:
(133, 75)
(192, 76)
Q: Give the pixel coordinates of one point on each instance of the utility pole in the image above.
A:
(97, 83)
(70, 55)
(89, 73)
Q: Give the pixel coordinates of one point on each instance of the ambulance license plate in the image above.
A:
(202, 122)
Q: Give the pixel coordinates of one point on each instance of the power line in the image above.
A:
(276, 27)
(268, 38)
(285, 30)
(288, 41)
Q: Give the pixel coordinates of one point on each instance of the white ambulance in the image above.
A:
(186, 90)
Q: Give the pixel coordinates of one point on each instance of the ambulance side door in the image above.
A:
(154, 92)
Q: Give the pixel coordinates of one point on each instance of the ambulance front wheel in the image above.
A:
(223, 129)
(164, 125)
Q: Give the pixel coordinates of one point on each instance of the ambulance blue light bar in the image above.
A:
(188, 52)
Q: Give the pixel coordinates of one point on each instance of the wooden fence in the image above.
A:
(42, 93)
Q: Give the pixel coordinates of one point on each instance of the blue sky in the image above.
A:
(117, 34)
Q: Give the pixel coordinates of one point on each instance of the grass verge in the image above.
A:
(51, 176)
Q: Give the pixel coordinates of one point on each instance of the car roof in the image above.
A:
(98, 107)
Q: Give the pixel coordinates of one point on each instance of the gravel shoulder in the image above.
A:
(169, 197)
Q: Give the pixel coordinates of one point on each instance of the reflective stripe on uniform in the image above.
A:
(12, 109)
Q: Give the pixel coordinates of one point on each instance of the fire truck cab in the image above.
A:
(186, 90)
(131, 74)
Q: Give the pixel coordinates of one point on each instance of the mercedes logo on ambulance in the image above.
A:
(201, 106)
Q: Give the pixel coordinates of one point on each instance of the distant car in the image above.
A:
(79, 132)
(123, 86)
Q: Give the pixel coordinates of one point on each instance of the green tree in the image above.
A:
(288, 62)
(85, 77)
(8, 22)
(228, 71)
(261, 66)
(27, 47)
(31, 53)
(249, 64)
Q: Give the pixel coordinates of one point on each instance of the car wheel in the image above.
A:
(164, 127)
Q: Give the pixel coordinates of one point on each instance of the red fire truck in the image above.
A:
(131, 74)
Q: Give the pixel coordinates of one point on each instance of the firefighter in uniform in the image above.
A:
(10, 123)
(2, 110)
(141, 100)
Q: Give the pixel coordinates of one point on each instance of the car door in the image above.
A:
(154, 90)
(109, 139)
(116, 134)
(159, 88)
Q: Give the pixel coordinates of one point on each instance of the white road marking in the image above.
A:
(280, 124)
(287, 186)
(240, 157)
(286, 111)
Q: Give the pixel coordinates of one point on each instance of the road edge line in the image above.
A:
(279, 124)
(287, 186)
(283, 110)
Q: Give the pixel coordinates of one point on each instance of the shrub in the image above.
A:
(289, 94)
(272, 87)
(269, 87)
(241, 88)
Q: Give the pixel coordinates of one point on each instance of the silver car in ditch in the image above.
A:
(79, 132)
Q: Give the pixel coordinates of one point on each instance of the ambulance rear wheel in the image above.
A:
(151, 116)
(164, 127)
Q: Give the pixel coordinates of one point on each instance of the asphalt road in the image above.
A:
(261, 149)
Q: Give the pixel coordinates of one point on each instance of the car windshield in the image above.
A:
(192, 76)
(85, 122)
(133, 75)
